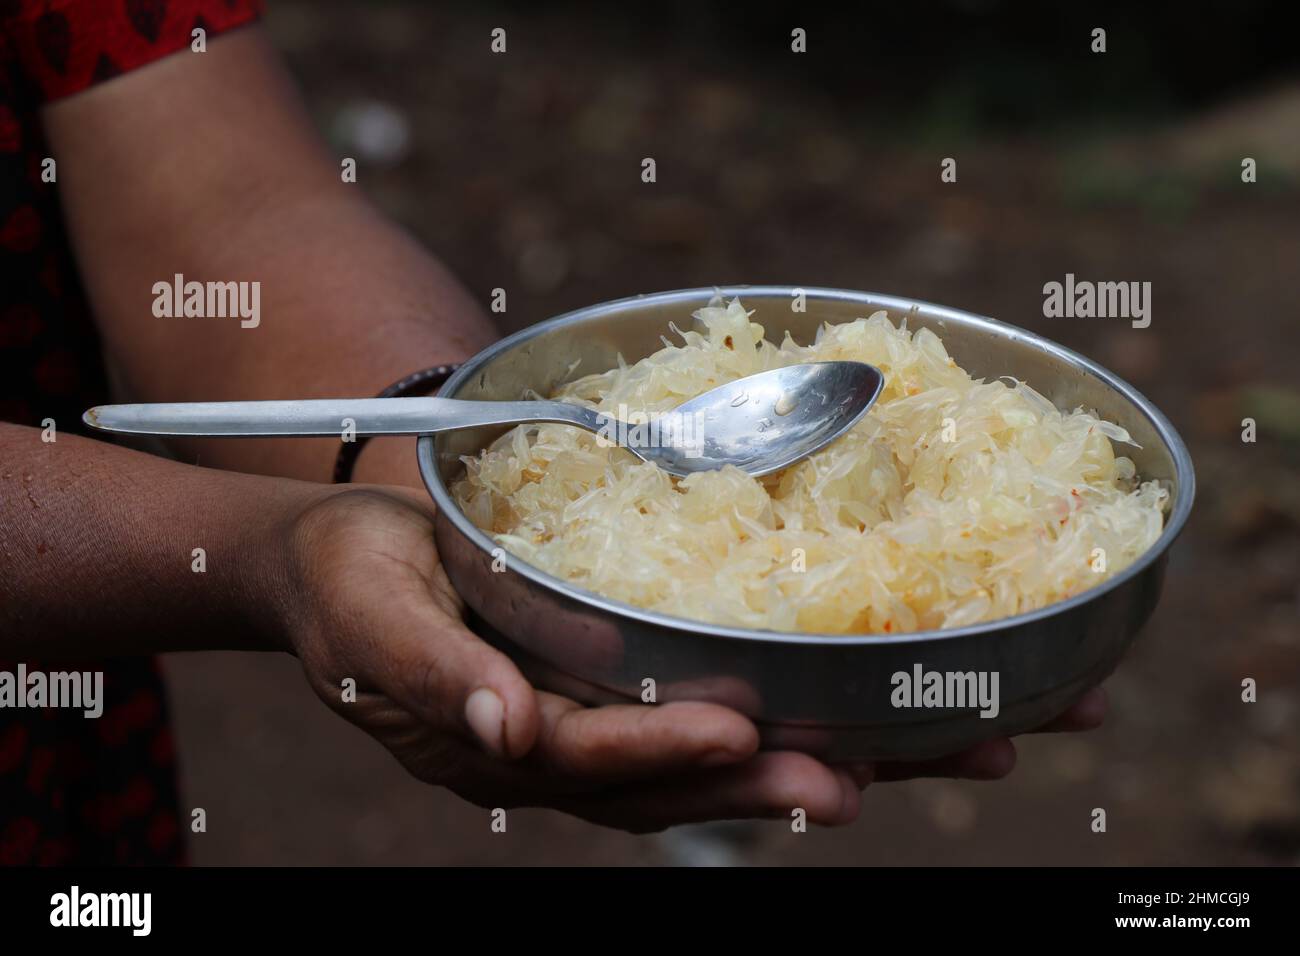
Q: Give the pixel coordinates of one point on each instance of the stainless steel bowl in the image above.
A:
(828, 695)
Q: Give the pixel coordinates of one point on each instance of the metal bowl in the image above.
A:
(829, 695)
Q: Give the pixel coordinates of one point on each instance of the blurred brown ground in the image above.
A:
(523, 172)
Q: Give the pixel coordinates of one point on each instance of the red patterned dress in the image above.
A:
(73, 789)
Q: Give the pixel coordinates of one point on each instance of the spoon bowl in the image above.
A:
(765, 422)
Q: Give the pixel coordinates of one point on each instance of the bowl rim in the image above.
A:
(1178, 515)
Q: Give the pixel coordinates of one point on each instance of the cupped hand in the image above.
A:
(366, 598)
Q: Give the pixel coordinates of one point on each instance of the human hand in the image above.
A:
(995, 758)
(366, 598)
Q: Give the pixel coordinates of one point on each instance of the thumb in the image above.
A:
(447, 675)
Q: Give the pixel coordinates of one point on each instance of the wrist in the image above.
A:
(276, 575)
(388, 461)
(396, 463)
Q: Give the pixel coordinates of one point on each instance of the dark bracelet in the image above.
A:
(417, 383)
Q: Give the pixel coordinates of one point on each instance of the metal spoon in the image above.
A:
(760, 423)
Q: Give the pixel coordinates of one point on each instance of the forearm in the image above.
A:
(97, 551)
(348, 301)
(349, 305)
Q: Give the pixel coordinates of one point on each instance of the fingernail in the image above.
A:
(1094, 706)
(862, 774)
(485, 713)
(994, 759)
(851, 800)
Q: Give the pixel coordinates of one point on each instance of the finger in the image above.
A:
(411, 641)
(990, 760)
(449, 677)
(1086, 713)
(769, 785)
(583, 750)
(637, 740)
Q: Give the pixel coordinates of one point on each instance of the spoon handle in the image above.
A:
(327, 417)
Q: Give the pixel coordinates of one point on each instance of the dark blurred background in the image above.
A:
(523, 172)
